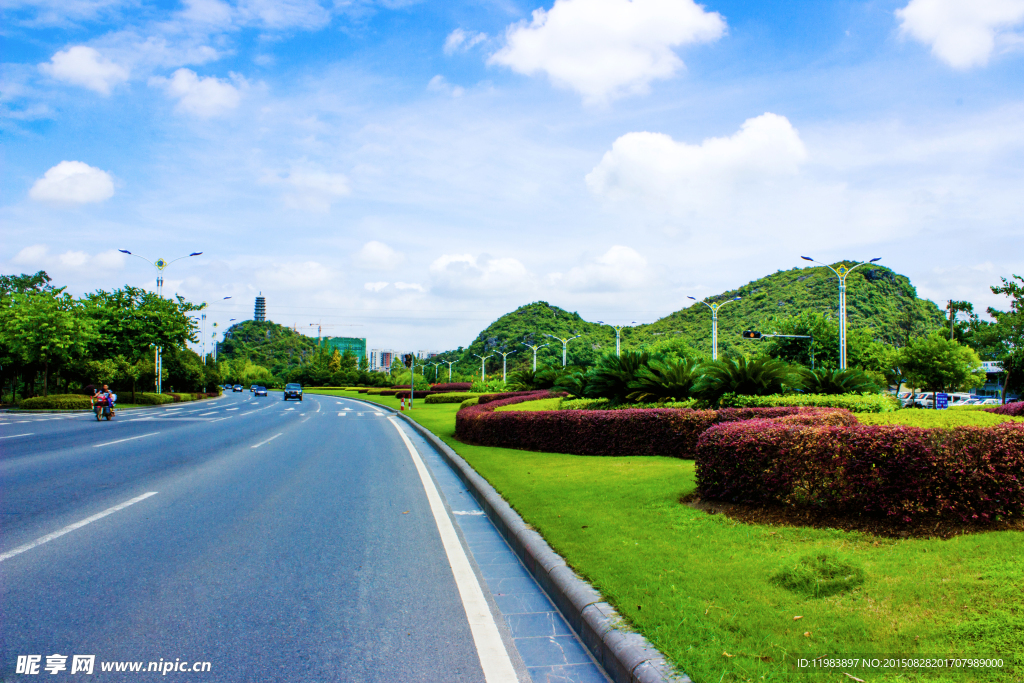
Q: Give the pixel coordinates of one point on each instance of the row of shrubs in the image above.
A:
(855, 403)
(1015, 409)
(893, 471)
(80, 402)
(606, 432)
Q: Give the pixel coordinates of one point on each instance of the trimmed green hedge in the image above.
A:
(470, 402)
(855, 403)
(449, 397)
(150, 399)
(57, 402)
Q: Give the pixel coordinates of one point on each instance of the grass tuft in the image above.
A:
(820, 575)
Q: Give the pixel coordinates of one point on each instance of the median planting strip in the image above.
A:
(718, 597)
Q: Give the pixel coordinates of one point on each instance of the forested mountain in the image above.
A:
(267, 344)
(880, 303)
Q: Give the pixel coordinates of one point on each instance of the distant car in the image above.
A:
(292, 391)
(990, 402)
(237, 387)
(253, 387)
(260, 391)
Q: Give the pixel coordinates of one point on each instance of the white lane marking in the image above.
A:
(348, 409)
(473, 513)
(359, 414)
(285, 408)
(268, 440)
(130, 438)
(228, 408)
(201, 414)
(379, 414)
(71, 527)
(339, 414)
(317, 403)
(15, 436)
(494, 659)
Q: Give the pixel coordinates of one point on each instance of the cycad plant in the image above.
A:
(610, 378)
(758, 377)
(834, 381)
(525, 380)
(574, 381)
(665, 380)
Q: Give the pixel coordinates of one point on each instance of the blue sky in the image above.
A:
(409, 171)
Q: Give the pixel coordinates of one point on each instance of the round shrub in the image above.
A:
(152, 399)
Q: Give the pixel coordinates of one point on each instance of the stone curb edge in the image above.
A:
(625, 655)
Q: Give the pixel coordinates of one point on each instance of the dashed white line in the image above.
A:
(205, 414)
(268, 440)
(341, 414)
(130, 438)
(15, 436)
(71, 527)
(228, 408)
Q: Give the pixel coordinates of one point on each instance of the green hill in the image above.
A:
(878, 300)
(267, 344)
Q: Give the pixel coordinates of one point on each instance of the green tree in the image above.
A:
(937, 363)
(1008, 331)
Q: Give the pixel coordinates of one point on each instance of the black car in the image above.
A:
(261, 391)
(292, 391)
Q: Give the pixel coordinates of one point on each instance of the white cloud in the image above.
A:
(655, 165)
(64, 12)
(409, 285)
(461, 41)
(38, 256)
(284, 14)
(962, 33)
(85, 67)
(467, 272)
(316, 190)
(73, 182)
(607, 48)
(619, 268)
(375, 286)
(439, 84)
(378, 256)
(203, 97)
(301, 275)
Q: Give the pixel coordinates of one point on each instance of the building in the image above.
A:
(355, 345)
(993, 386)
(381, 359)
(260, 313)
(426, 355)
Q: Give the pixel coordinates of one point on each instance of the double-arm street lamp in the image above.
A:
(841, 272)
(159, 264)
(483, 371)
(435, 369)
(450, 363)
(565, 344)
(504, 363)
(617, 329)
(714, 323)
(535, 347)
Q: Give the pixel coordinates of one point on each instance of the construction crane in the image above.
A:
(320, 327)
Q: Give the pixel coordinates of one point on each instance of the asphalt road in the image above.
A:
(281, 541)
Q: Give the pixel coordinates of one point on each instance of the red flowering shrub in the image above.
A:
(657, 431)
(908, 473)
(451, 386)
(529, 396)
(1015, 409)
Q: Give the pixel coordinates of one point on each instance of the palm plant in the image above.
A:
(833, 381)
(574, 381)
(525, 380)
(612, 375)
(665, 380)
(758, 377)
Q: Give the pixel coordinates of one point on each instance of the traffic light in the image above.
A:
(407, 359)
(751, 334)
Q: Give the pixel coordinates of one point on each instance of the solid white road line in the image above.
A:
(494, 659)
(71, 527)
(130, 438)
(15, 436)
(268, 440)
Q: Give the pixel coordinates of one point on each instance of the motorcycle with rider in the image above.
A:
(103, 402)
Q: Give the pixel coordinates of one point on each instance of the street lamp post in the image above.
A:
(504, 362)
(714, 323)
(534, 352)
(841, 274)
(565, 344)
(617, 329)
(436, 365)
(483, 372)
(450, 363)
(159, 264)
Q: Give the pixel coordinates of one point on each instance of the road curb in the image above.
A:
(625, 655)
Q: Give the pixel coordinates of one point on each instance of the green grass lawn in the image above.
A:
(700, 587)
